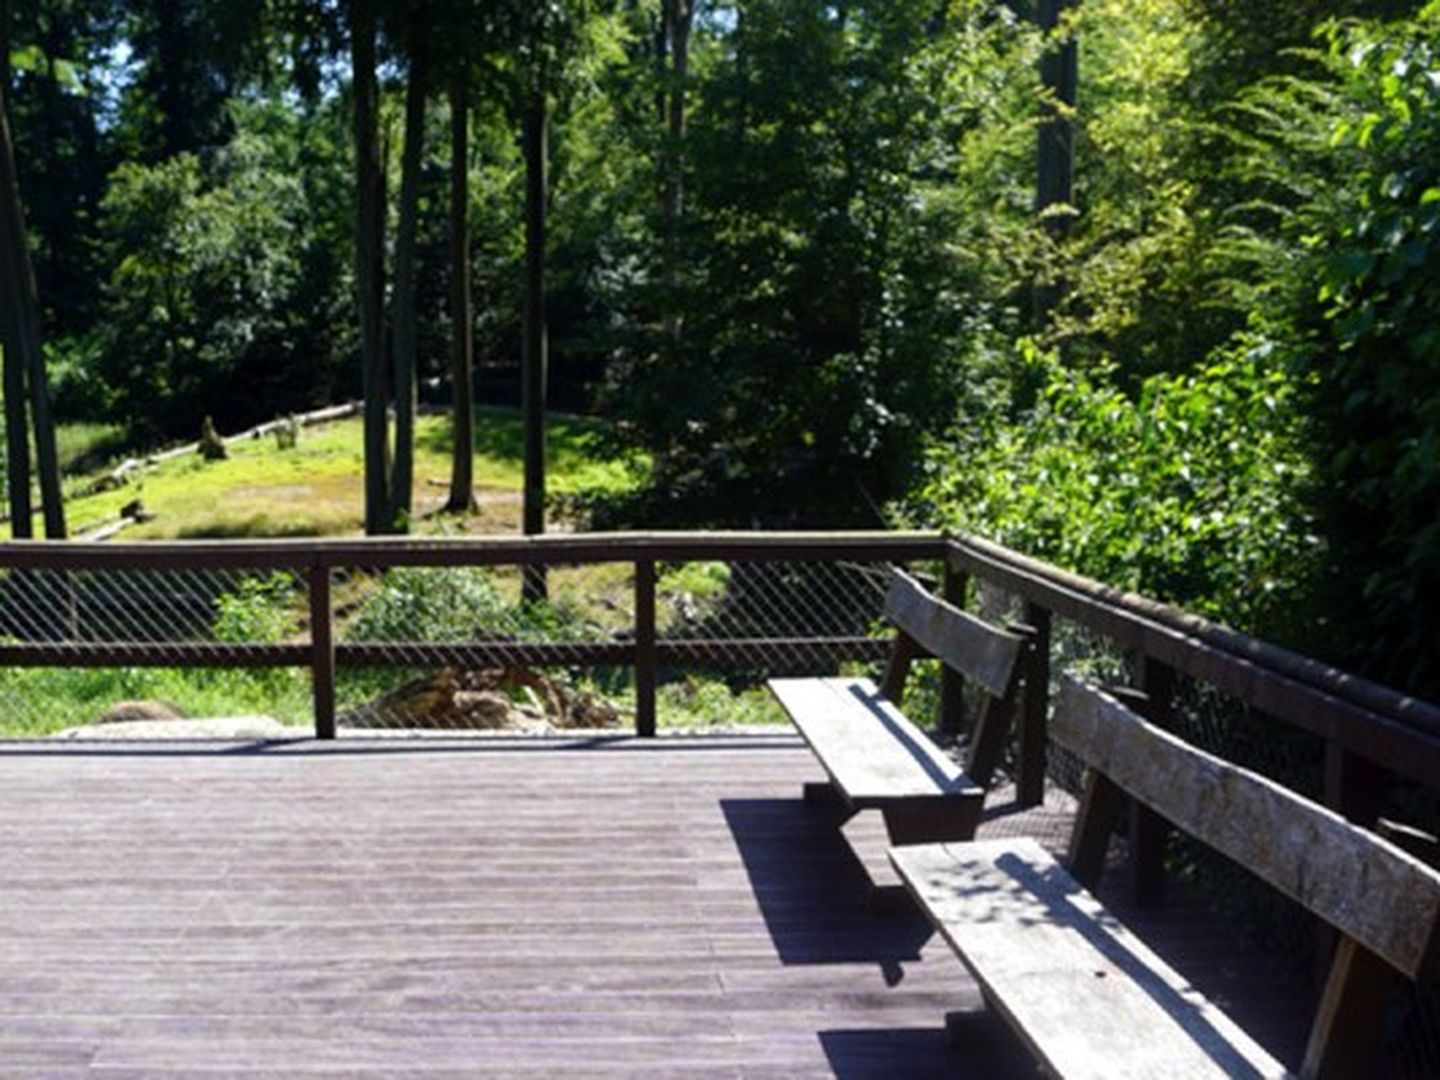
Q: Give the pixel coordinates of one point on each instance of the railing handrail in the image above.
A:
(552, 548)
(1372, 696)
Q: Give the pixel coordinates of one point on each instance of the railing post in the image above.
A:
(1355, 789)
(1035, 708)
(1354, 786)
(645, 653)
(952, 683)
(322, 652)
(1149, 832)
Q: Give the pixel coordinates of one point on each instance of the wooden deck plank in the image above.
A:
(396, 910)
(591, 911)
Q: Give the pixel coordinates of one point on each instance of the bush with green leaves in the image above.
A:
(1189, 491)
(1344, 249)
(454, 604)
(262, 610)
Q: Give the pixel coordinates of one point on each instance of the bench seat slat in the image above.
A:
(875, 755)
(1086, 996)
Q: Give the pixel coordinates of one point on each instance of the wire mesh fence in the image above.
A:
(420, 648)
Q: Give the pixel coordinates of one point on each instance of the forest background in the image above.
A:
(796, 260)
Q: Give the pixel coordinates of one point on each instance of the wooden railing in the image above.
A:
(318, 561)
(1370, 732)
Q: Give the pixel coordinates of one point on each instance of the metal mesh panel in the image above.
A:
(427, 648)
(126, 653)
(468, 649)
(725, 628)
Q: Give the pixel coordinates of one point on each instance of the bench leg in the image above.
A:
(975, 1030)
(822, 795)
(889, 900)
(934, 821)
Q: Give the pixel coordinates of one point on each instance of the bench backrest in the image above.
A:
(1371, 891)
(964, 643)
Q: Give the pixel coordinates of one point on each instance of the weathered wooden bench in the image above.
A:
(1090, 1000)
(875, 757)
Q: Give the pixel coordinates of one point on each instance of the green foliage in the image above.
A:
(1345, 270)
(423, 604)
(1188, 492)
(214, 280)
(826, 314)
(261, 611)
(456, 604)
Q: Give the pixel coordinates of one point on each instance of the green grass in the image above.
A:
(86, 447)
(316, 488)
(42, 701)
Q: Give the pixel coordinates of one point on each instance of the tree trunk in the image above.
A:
(47, 460)
(17, 423)
(1055, 171)
(5, 47)
(462, 468)
(536, 351)
(370, 267)
(24, 361)
(679, 16)
(406, 320)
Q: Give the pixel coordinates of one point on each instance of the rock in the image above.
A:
(212, 448)
(287, 435)
(588, 711)
(124, 711)
(136, 511)
(227, 727)
(111, 481)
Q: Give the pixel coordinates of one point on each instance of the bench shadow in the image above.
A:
(872, 700)
(922, 1053)
(812, 890)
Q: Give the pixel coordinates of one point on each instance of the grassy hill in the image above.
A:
(316, 488)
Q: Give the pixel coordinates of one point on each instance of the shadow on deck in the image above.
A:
(461, 909)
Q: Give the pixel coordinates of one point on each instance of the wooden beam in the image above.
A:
(1345, 1036)
(322, 647)
(1034, 707)
(646, 659)
(556, 549)
(955, 587)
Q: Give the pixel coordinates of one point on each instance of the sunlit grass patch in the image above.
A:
(317, 487)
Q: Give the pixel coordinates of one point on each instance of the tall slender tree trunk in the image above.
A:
(370, 267)
(1055, 170)
(679, 15)
(24, 364)
(535, 360)
(5, 46)
(406, 321)
(462, 358)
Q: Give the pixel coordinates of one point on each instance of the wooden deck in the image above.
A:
(389, 909)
